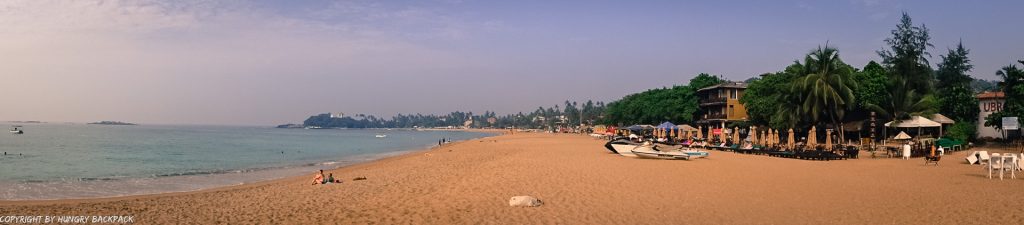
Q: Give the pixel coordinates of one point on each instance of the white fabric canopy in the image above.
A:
(902, 136)
(942, 119)
(685, 127)
(916, 121)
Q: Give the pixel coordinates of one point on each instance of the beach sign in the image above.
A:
(1011, 123)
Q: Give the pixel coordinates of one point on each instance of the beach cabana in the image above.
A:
(916, 121)
(941, 119)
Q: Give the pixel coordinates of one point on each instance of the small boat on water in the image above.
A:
(650, 151)
(17, 130)
(622, 147)
(381, 136)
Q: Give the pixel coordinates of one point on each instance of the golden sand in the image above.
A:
(581, 183)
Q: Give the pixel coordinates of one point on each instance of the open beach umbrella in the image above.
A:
(828, 139)
(812, 137)
(791, 141)
(902, 136)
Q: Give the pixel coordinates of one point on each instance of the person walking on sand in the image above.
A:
(318, 178)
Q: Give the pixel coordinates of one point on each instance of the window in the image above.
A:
(732, 94)
(732, 110)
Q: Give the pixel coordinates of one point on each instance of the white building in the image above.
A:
(990, 102)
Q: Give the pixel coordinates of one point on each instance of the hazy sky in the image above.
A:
(271, 62)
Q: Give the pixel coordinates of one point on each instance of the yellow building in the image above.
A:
(721, 103)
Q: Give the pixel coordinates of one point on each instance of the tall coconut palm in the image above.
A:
(825, 91)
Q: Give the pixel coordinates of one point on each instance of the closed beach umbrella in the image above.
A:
(760, 138)
(828, 139)
(700, 132)
(736, 134)
(771, 136)
(672, 133)
(791, 139)
(778, 141)
(812, 137)
(724, 135)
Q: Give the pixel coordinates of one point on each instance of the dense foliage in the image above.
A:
(1013, 87)
(962, 131)
(677, 104)
(568, 115)
(957, 100)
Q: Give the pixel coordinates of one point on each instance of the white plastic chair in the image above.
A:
(1010, 161)
(1020, 162)
(972, 158)
(983, 158)
(995, 163)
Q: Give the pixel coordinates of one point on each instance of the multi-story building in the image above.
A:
(989, 102)
(721, 103)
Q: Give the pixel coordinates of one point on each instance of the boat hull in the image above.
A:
(649, 153)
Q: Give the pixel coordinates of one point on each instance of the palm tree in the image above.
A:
(825, 89)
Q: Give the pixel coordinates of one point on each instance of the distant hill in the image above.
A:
(112, 123)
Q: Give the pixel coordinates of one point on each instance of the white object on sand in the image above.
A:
(524, 201)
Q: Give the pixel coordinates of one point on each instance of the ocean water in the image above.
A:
(61, 161)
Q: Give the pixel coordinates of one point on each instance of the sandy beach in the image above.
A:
(581, 183)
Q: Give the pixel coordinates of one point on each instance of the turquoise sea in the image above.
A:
(60, 161)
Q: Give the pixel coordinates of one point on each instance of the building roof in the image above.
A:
(737, 85)
(990, 94)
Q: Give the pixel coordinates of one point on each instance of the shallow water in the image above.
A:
(58, 161)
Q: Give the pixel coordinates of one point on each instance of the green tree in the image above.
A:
(704, 80)
(907, 58)
(765, 95)
(871, 85)
(910, 76)
(1013, 86)
(957, 100)
(825, 88)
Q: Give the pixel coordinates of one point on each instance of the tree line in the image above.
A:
(570, 114)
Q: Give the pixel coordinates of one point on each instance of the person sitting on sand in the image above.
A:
(330, 178)
(318, 178)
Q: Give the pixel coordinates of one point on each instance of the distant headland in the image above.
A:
(112, 123)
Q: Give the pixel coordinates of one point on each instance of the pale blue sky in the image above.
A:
(267, 62)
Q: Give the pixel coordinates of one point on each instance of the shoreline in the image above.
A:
(470, 182)
(355, 161)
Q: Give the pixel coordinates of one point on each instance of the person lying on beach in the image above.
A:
(318, 178)
(330, 179)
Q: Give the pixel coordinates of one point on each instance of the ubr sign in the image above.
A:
(1010, 123)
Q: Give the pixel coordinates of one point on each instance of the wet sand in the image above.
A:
(582, 183)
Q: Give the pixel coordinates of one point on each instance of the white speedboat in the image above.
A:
(649, 151)
(381, 136)
(623, 147)
(695, 152)
(17, 130)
